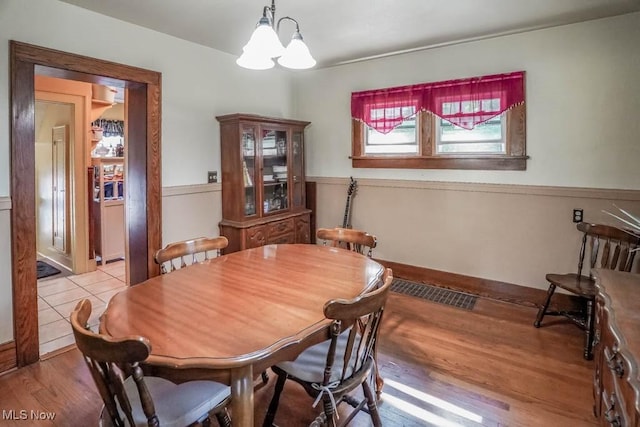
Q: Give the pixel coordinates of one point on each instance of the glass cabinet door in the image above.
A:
(298, 168)
(248, 169)
(274, 168)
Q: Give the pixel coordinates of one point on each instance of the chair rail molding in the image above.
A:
(5, 203)
(534, 190)
(183, 190)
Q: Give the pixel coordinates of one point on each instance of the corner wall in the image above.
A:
(583, 103)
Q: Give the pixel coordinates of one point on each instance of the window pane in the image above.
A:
(485, 138)
(399, 141)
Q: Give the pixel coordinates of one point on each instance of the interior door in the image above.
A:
(60, 141)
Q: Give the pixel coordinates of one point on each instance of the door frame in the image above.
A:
(143, 196)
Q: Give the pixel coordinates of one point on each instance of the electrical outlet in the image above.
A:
(577, 215)
(212, 176)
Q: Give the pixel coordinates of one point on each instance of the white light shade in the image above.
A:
(264, 40)
(297, 55)
(255, 61)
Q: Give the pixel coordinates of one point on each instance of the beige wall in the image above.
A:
(583, 87)
(200, 219)
(509, 233)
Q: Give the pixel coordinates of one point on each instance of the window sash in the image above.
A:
(472, 145)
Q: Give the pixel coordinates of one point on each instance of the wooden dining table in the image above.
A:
(229, 318)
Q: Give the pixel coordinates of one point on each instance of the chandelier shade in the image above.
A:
(264, 45)
(297, 55)
(254, 62)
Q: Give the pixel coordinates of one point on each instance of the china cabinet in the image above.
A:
(263, 183)
(108, 207)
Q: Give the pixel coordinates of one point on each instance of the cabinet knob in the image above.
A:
(614, 362)
(612, 417)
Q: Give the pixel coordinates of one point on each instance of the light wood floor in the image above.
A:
(443, 366)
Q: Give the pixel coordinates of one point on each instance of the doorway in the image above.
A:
(143, 192)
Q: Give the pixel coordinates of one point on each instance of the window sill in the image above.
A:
(442, 162)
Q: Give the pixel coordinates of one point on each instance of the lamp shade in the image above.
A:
(297, 55)
(254, 60)
(264, 40)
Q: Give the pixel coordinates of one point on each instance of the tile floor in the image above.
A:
(57, 296)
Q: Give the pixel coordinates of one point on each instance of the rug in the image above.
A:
(434, 293)
(46, 270)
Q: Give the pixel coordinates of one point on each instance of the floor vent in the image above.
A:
(434, 293)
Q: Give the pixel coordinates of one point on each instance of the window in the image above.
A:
(401, 140)
(476, 123)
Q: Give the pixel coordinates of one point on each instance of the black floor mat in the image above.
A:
(46, 270)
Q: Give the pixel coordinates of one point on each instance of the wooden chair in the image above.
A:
(355, 240)
(330, 370)
(193, 251)
(131, 398)
(609, 248)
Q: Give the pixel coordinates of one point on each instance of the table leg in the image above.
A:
(242, 396)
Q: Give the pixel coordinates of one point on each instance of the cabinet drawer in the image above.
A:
(279, 228)
(255, 237)
(281, 238)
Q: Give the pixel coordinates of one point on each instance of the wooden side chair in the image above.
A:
(180, 254)
(355, 240)
(329, 371)
(607, 247)
(132, 399)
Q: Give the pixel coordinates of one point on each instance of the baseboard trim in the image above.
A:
(8, 356)
(501, 291)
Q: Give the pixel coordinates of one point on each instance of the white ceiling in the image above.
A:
(339, 31)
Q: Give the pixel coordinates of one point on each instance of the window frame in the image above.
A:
(427, 158)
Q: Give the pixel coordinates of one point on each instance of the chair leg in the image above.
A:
(265, 377)
(543, 309)
(329, 411)
(275, 400)
(371, 403)
(223, 418)
(379, 381)
(589, 326)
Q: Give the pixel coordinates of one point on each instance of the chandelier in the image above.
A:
(264, 45)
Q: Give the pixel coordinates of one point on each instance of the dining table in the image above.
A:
(229, 318)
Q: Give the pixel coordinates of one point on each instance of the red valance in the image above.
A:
(464, 102)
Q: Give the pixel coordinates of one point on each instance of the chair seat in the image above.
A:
(580, 285)
(309, 365)
(177, 405)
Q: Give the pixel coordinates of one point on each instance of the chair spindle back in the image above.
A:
(110, 362)
(363, 316)
(181, 254)
(618, 247)
(354, 240)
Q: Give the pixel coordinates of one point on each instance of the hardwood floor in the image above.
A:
(442, 365)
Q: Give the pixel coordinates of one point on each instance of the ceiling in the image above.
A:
(339, 31)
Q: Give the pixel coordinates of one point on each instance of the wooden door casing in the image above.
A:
(143, 203)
